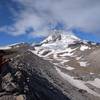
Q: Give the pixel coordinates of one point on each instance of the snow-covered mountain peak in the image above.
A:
(59, 40)
(61, 36)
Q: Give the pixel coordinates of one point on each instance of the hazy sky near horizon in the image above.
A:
(25, 20)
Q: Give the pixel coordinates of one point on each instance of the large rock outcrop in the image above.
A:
(23, 77)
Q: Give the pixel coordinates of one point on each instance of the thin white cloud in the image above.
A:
(37, 14)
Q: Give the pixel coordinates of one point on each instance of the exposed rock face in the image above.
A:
(23, 78)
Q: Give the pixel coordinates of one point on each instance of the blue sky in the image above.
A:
(31, 20)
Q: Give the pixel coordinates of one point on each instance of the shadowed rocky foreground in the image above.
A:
(22, 78)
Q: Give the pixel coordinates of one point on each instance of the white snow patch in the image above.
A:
(65, 50)
(17, 46)
(78, 58)
(84, 47)
(56, 63)
(70, 68)
(55, 55)
(95, 83)
(77, 83)
(91, 73)
(83, 64)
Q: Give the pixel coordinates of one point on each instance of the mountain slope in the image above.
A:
(57, 69)
(77, 60)
(25, 76)
(28, 77)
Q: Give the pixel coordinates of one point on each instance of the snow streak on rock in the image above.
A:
(77, 83)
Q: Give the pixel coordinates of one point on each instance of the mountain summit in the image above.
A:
(61, 36)
(59, 40)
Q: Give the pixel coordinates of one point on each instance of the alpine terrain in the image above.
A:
(61, 67)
